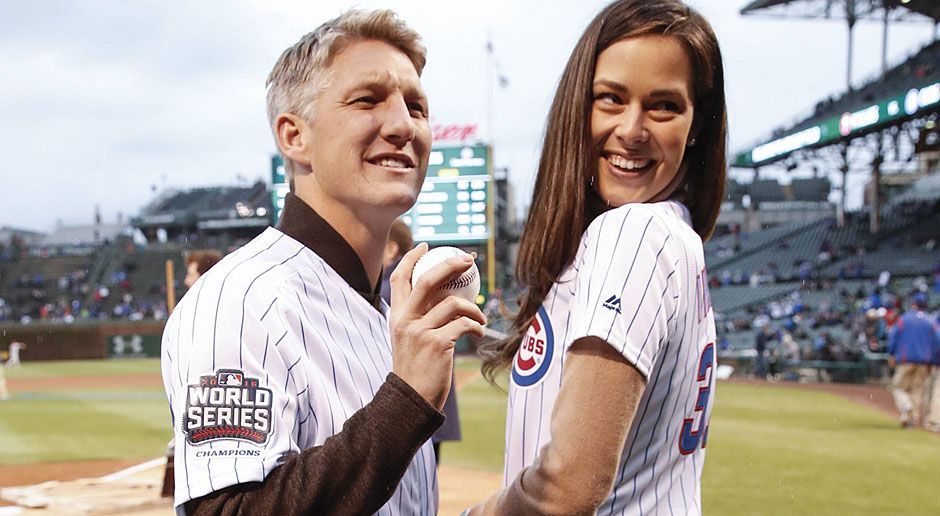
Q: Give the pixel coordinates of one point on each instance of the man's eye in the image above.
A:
(367, 99)
(417, 109)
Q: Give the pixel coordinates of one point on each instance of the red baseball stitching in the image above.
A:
(462, 281)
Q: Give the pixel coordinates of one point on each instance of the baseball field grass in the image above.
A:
(59, 417)
(482, 424)
(771, 450)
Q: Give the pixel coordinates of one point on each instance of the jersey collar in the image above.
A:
(300, 222)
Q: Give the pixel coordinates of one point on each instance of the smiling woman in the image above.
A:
(641, 123)
(615, 336)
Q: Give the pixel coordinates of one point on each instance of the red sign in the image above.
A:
(453, 132)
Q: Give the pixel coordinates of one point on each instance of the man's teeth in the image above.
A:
(629, 164)
(391, 162)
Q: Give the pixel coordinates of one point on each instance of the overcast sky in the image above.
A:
(103, 102)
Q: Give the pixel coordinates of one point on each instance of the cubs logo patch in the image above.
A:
(534, 357)
(227, 405)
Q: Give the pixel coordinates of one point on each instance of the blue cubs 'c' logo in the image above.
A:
(534, 357)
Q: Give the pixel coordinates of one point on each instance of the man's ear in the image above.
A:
(289, 130)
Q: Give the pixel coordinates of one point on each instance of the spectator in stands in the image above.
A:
(832, 350)
(726, 278)
(399, 243)
(764, 336)
(820, 343)
(198, 262)
(723, 344)
(806, 271)
(913, 344)
(884, 279)
(791, 350)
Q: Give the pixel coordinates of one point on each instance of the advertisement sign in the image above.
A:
(134, 346)
(913, 102)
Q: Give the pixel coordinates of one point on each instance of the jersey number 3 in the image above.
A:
(689, 439)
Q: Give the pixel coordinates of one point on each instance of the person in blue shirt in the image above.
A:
(933, 414)
(914, 345)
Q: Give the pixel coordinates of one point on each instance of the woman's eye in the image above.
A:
(607, 98)
(666, 106)
(367, 99)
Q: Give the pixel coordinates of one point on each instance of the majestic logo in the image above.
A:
(534, 357)
(612, 303)
(227, 405)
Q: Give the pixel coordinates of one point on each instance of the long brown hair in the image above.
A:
(563, 204)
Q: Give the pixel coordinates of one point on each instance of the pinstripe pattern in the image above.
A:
(648, 257)
(276, 311)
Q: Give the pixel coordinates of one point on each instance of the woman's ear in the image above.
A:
(694, 130)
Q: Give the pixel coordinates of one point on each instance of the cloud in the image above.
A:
(105, 99)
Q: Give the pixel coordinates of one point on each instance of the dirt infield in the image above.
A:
(462, 488)
(28, 474)
(463, 378)
(459, 487)
(132, 381)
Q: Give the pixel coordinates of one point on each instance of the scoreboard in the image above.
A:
(279, 186)
(454, 204)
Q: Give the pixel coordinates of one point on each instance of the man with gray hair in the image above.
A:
(293, 388)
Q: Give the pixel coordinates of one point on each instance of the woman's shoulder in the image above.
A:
(659, 217)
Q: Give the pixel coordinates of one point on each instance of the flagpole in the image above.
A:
(489, 87)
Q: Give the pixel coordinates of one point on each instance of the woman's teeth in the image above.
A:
(628, 164)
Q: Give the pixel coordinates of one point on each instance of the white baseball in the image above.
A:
(467, 285)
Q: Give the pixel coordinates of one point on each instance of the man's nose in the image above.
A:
(398, 126)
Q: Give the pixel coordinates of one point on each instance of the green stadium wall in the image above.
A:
(86, 341)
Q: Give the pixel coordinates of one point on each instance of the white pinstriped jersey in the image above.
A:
(638, 281)
(267, 355)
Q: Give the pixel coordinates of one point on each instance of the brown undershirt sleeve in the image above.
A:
(356, 470)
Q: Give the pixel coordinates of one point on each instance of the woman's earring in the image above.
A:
(691, 142)
(592, 182)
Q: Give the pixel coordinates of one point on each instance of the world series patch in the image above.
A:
(227, 405)
(534, 357)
